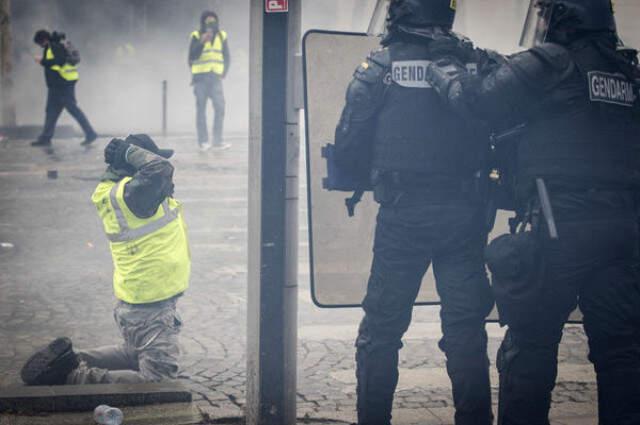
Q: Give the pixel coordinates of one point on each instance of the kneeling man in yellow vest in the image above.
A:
(148, 240)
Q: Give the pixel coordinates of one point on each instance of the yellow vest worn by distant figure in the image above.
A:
(151, 257)
(67, 71)
(211, 59)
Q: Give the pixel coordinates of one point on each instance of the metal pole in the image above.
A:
(273, 211)
(6, 66)
(164, 108)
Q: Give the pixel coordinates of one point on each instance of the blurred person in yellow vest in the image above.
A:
(152, 264)
(59, 60)
(209, 60)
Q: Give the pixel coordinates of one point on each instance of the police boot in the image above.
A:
(41, 143)
(50, 365)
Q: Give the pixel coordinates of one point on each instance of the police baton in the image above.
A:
(496, 139)
(545, 205)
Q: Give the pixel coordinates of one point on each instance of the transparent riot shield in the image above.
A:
(340, 246)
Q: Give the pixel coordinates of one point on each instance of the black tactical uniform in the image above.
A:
(423, 160)
(577, 96)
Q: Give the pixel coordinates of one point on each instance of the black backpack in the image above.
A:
(72, 52)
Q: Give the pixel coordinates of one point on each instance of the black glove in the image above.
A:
(115, 152)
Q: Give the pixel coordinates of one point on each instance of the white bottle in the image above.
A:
(105, 415)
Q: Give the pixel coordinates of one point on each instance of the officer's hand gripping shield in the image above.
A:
(340, 246)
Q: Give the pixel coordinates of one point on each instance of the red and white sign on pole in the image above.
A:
(276, 6)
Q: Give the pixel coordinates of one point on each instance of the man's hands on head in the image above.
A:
(116, 152)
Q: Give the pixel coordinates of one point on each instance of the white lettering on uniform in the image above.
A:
(411, 74)
(611, 88)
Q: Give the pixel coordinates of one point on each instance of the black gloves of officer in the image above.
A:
(115, 154)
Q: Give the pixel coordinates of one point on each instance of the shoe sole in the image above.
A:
(42, 360)
(88, 142)
(221, 148)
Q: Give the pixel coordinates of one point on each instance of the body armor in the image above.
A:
(415, 132)
(586, 126)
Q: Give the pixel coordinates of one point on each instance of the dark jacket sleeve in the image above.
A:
(59, 56)
(195, 49)
(227, 57)
(510, 91)
(151, 183)
(355, 131)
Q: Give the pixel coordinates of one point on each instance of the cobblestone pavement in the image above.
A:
(56, 280)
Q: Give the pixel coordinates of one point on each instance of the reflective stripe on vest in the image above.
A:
(151, 258)
(67, 71)
(127, 234)
(212, 58)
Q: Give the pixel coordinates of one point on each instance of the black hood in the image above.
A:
(204, 16)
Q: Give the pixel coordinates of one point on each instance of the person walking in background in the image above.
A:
(209, 59)
(61, 75)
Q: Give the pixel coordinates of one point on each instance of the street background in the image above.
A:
(55, 267)
(56, 280)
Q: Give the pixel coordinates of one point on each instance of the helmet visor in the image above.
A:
(378, 23)
(536, 26)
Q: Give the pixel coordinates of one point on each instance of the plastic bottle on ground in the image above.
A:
(106, 415)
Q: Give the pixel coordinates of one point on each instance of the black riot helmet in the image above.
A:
(556, 20)
(413, 16)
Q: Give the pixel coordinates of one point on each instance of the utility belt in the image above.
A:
(577, 202)
(405, 188)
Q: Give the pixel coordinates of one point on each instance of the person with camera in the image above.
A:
(59, 60)
(209, 59)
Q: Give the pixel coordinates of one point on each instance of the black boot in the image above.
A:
(41, 143)
(90, 138)
(51, 364)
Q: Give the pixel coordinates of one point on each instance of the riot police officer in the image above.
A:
(576, 92)
(422, 161)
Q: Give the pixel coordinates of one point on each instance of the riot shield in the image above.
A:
(340, 246)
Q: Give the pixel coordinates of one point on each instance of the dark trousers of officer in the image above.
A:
(409, 237)
(59, 98)
(593, 265)
(205, 87)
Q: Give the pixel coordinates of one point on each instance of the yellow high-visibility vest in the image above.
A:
(67, 71)
(212, 58)
(151, 257)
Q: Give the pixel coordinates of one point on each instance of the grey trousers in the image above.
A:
(205, 87)
(149, 352)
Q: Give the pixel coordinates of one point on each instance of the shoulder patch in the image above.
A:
(411, 74)
(611, 88)
(373, 69)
